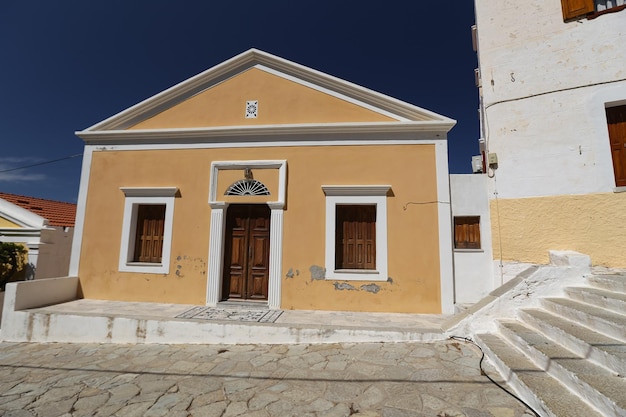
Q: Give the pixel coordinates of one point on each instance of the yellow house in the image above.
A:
(261, 180)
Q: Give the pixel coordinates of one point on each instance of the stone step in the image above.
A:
(593, 383)
(538, 389)
(613, 282)
(601, 320)
(604, 350)
(610, 300)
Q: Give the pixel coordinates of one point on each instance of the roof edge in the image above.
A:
(21, 216)
(220, 72)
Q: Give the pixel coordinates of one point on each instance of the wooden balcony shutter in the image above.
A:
(616, 118)
(355, 237)
(576, 8)
(467, 232)
(150, 229)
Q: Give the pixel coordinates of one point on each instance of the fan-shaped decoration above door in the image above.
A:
(247, 186)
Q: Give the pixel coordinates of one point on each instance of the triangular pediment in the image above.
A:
(14, 216)
(257, 96)
(256, 91)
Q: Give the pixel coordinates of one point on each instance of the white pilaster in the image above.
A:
(446, 258)
(276, 255)
(216, 239)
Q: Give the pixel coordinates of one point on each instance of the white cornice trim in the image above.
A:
(265, 130)
(249, 59)
(19, 231)
(356, 190)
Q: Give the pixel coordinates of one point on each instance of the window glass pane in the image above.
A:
(608, 4)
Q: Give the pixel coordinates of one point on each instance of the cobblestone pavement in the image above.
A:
(364, 380)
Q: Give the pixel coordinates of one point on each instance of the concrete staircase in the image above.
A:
(566, 357)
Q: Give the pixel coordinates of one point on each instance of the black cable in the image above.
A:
(41, 163)
(482, 372)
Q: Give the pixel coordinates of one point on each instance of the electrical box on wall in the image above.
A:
(477, 164)
(492, 159)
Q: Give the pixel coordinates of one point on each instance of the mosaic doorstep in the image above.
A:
(212, 313)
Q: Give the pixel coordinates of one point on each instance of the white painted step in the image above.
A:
(604, 350)
(609, 282)
(610, 300)
(601, 320)
(540, 390)
(595, 384)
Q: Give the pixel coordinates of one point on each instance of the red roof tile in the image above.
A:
(57, 213)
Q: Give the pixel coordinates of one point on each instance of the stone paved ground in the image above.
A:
(364, 380)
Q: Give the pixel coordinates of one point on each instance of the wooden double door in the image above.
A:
(246, 252)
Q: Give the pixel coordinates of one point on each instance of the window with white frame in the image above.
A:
(356, 232)
(147, 229)
(467, 232)
(577, 9)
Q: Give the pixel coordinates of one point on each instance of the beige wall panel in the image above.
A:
(54, 254)
(412, 228)
(593, 224)
(280, 102)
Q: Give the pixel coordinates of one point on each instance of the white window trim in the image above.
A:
(135, 197)
(355, 195)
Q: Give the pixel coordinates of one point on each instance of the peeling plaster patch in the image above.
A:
(371, 288)
(297, 272)
(390, 280)
(343, 286)
(289, 273)
(189, 265)
(317, 272)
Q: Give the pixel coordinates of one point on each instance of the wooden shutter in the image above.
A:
(577, 8)
(355, 239)
(616, 118)
(467, 232)
(150, 230)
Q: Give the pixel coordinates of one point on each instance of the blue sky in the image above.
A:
(66, 65)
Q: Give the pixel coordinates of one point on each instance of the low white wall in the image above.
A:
(32, 294)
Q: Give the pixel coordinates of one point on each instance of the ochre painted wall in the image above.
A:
(413, 254)
(280, 102)
(594, 224)
(6, 223)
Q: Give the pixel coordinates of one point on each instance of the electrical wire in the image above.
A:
(482, 372)
(40, 163)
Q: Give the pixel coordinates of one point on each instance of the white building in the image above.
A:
(552, 82)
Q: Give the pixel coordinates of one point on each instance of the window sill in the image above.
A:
(469, 250)
(145, 268)
(356, 275)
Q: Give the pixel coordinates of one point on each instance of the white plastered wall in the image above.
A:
(545, 85)
(473, 271)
